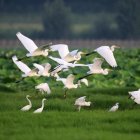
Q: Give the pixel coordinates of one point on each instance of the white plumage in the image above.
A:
(24, 68)
(81, 102)
(96, 68)
(27, 107)
(39, 110)
(84, 80)
(135, 96)
(114, 108)
(107, 53)
(43, 87)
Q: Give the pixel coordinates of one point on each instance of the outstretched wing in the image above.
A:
(107, 54)
(70, 79)
(39, 67)
(27, 42)
(81, 99)
(58, 60)
(23, 67)
(73, 53)
(47, 67)
(62, 49)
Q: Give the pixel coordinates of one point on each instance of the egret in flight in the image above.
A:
(65, 54)
(96, 68)
(114, 108)
(27, 107)
(81, 102)
(68, 83)
(24, 68)
(107, 53)
(43, 87)
(43, 70)
(39, 110)
(32, 47)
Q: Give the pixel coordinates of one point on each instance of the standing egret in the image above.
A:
(43, 69)
(68, 83)
(43, 87)
(107, 53)
(27, 107)
(81, 102)
(39, 110)
(96, 68)
(65, 54)
(32, 47)
(114, 108)
(24, 68)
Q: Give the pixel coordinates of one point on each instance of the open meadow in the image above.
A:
(60, 118)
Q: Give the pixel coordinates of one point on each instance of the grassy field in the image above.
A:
(61, 120)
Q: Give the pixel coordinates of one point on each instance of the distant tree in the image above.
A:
(56, 19)
(128, 19)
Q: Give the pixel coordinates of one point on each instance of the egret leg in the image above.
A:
(65, 93)
(79, 108)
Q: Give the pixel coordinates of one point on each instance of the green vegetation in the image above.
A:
(60, 118)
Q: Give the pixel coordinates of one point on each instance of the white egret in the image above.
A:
(81, 102)
(68, 82)
(24, 68)
(39, 110)
(107, 53)
(66, 64)
(43, 87)
(32, 47)
(27, 107)
(65, 54)
(84, 80)
(43, 69)
(134, 94)
(96, 68)
(114, 108)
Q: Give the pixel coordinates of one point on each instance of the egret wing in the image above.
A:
(22, 66)
(107, 54)
(27, 42)
(39, 67)
(73, 53)
(70, 79)
(62, 49)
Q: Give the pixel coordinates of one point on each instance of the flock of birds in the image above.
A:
(67, 60)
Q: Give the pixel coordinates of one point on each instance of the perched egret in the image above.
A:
(43, 87)
(24, 68)
(43, 69)
(81, 102)
(65, 54)
(114, 108)
(96, 68)
(107, 53)
(32, 47)
(68, 82)
(39, 110)
(27, 107)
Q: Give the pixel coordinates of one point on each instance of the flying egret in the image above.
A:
(107, 53)
(81, 102)
(39, 110)
(24, 68)
(65, 54)
(84, 80)
(27, 107)
(43, 69)
(43, 87)
(32, 47)
(96, 68)
(68, 83)
(114, 108)
(66, 64)
(134, 94)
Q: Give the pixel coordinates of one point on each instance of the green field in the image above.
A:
(60, 118)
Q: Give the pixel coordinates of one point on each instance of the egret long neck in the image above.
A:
(42, 104)
(29, 101)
